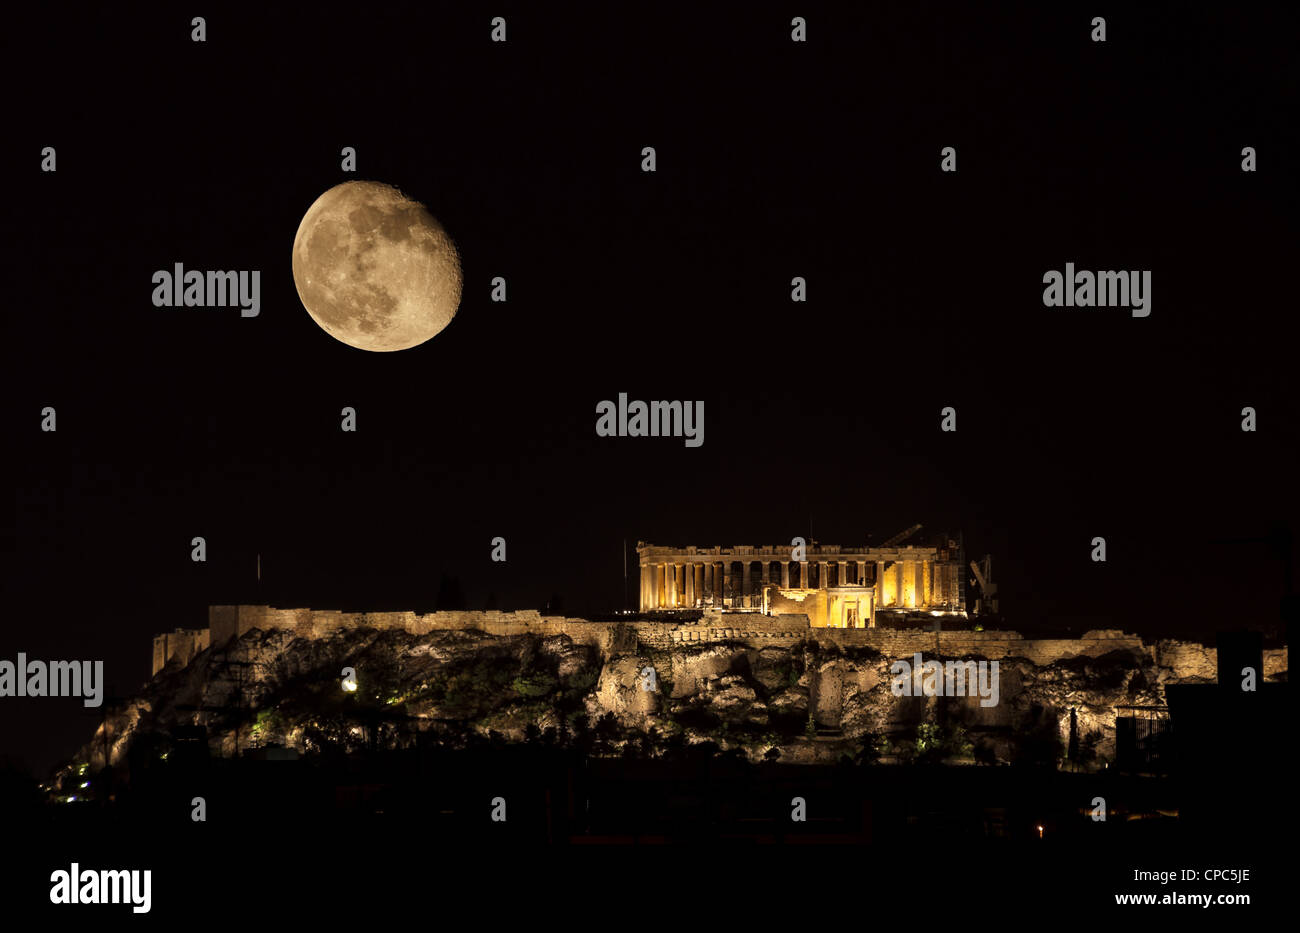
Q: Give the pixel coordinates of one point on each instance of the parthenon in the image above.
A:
(835, 586)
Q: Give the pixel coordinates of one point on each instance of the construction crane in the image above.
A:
(987, 603)
(902, 536)
(898, 539)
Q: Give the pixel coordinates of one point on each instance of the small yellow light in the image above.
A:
(349, 686)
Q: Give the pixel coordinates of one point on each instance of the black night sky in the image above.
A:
(775, 159)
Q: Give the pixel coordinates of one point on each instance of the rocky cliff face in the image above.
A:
(812, 700)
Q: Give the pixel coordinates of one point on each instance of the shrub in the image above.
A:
(534, 685)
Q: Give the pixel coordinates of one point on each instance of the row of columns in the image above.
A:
(686, 584)
(906, 584)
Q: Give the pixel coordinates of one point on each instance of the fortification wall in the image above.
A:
(232, 621)
(751, 627)
(1275, 662)
(762, 630)
(1183, 661)
(181, 644)
(1192, 661)
(1187, 660)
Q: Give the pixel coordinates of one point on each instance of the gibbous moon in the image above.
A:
(374, 268)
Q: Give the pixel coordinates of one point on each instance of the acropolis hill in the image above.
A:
(749, 649)
(736, 678)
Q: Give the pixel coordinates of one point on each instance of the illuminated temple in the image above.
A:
(835, 586)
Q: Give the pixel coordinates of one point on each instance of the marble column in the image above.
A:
(690, 586)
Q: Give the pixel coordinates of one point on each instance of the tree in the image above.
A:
(606, 732)
(582, 737)
(1040, 741)
(1072, 749)
(868, 751)
(1087, 756)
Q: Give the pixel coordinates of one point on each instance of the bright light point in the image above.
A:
(349, 686)
(85, 783)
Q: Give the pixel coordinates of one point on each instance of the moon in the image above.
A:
(374, 268)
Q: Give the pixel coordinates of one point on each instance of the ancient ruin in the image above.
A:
(835, 586)
(749, 647)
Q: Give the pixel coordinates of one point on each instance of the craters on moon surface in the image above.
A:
(374, 268)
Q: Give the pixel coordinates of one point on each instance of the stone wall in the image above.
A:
(1190, 661)
(1193, 662)
(232, 621)
(1182, 661)
(181, 645)
(1275, 662)
(750, 627)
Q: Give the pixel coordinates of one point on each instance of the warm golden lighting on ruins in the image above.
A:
(836, 587)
